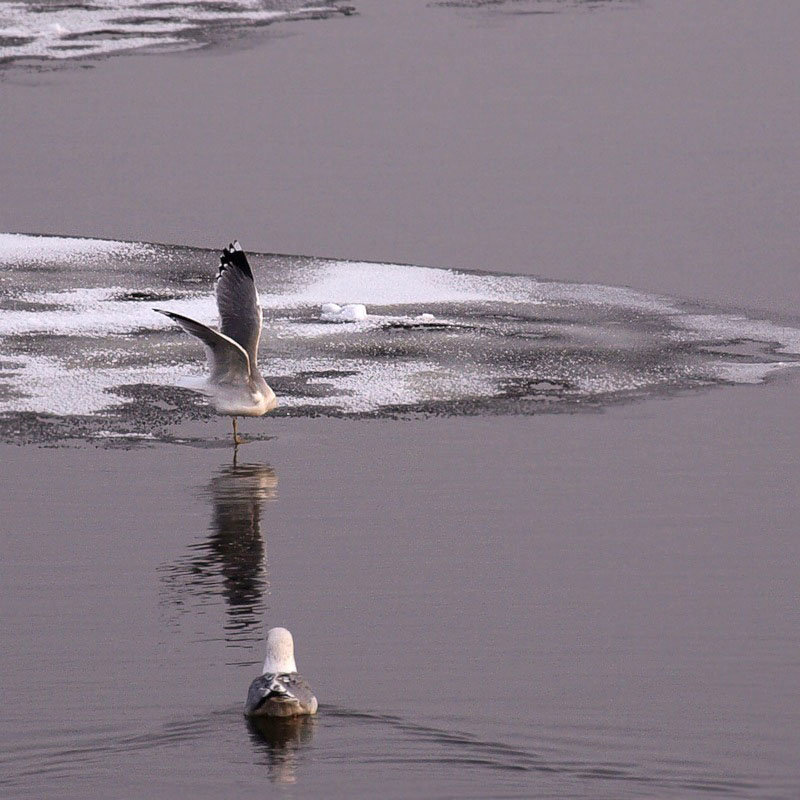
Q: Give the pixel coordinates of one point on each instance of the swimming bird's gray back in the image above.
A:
(240, 315)
(280, 695)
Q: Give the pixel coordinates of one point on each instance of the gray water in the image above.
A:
(487, 607)
(508, 602)
(490, 599)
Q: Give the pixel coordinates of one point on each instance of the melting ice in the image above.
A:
(82, 354)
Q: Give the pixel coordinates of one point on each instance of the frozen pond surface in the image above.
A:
(490, 602)
(83, 354)
(54, 31)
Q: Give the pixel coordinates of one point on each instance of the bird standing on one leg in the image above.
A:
(235, 387)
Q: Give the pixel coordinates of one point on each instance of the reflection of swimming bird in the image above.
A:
(235, 386)
(235, 550)
(282, 738)
(280, 691)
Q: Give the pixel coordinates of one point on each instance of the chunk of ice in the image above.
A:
(352, 312)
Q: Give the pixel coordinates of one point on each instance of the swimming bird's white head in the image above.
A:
(280, 651)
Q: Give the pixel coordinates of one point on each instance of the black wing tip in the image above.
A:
(234, 256)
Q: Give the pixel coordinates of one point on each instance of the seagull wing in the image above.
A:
(257, 694)
(228, 361)
(301, 691)
(237, 300)
(289, 687)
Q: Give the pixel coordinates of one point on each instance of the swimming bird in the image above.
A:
(280, 691)
(235, 386)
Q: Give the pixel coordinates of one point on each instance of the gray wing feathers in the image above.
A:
(237, 300)
(227, 359)
(291, 687)
(258, 691)
(300, 689)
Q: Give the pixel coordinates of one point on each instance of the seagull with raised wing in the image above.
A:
(235, 386)
(280, 691)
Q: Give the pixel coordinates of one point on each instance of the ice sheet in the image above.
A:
(79, 338)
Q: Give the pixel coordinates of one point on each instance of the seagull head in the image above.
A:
(280, 651)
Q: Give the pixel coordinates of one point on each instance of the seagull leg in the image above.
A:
(237, 440)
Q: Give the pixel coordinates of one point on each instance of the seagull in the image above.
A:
(280, 691)
(235, 386)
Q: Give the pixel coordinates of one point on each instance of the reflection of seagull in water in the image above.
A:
(237, 543)
(235, 550)
(282, 738)
(280, 691)
(235, 386)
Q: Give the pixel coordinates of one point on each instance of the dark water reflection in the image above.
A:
(232, 560)
(278, 742)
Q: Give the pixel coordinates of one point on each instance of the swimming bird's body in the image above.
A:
(280, 691)
(235, 387)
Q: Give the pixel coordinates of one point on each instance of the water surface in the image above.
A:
(553, 606)
(490, 601)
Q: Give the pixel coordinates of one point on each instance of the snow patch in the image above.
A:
(19, 249)
(358, 282)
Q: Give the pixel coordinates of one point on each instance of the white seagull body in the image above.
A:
(280, 691)
(234, 387)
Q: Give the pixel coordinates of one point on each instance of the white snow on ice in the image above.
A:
(64, 31)
(19, 249)
(369, 284)
(49, 386)
(393, 294)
